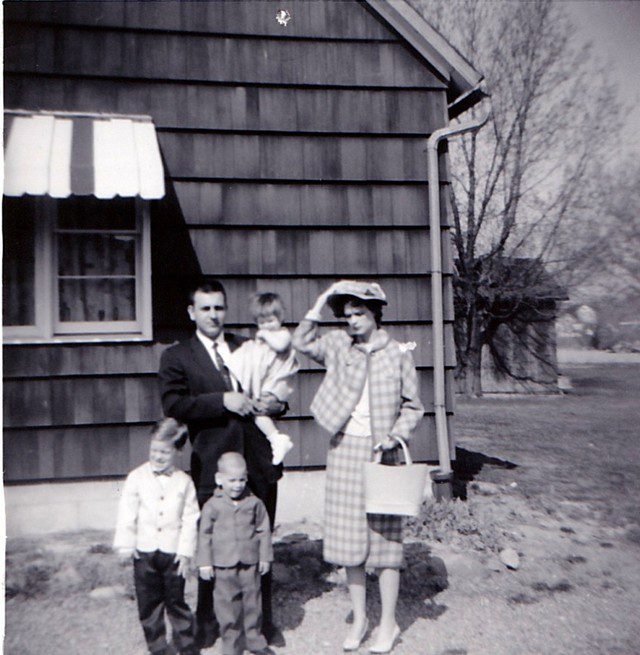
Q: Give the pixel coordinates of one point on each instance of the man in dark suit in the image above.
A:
(198, 390)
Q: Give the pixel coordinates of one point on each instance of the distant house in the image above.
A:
(520, 353)
(150, 141)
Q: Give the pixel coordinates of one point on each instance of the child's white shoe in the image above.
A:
(281, 444)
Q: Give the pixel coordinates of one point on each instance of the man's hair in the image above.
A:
(266, 304)
(168, 430)
(206, 286)
(375, 306)
(231, 459)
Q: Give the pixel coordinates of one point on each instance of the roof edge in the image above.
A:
(430, 45)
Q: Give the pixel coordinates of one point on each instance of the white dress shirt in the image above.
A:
(223, 350)
(157, 512)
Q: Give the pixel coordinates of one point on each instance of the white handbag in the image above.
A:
(397, 490)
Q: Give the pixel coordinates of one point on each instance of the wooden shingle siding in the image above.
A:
(289, 204)
(108, 450)
(74, 452)
(78, 52)
(345, 252)
(73, 359)
(249, 17)
(80, 400)
(409, 296)
(322, 158)
(294, 156)
(118, 400)
(179, 105)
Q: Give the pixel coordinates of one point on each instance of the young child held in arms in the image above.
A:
(265, 365)
(234, 547)
(157, 527)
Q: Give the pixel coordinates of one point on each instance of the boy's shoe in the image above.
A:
(263, 651)
(281, 444)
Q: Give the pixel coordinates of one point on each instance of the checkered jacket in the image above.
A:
(394, 403)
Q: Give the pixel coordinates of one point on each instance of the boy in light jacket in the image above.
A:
(157, 527)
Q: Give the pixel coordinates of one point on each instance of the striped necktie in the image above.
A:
(224, 371)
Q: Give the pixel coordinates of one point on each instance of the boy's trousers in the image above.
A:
(158, 585)
(237, 603)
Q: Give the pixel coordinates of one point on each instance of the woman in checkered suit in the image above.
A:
(369, 396)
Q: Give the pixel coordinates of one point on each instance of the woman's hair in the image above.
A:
(266, 304)
(168, 430)
(375, 306)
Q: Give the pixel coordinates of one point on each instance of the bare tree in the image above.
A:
(620, 233)
(523, 199)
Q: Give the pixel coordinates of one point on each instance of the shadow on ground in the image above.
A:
(300, 574)
(468, 465)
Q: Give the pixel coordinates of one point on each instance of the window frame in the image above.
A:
(47, 326)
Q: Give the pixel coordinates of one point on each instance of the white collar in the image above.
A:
(208, 342)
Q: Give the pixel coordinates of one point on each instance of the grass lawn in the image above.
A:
(583, 446)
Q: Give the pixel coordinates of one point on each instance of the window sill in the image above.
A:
(77, 338)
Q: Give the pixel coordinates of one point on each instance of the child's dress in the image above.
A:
(265, 364)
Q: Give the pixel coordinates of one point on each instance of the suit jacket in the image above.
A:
(234, 533)
(192, 391)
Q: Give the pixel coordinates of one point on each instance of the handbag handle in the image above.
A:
(407, 455)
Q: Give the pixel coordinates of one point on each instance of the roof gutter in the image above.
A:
(444, 455)
(466, 101)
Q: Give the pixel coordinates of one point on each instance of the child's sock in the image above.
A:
(281, 444)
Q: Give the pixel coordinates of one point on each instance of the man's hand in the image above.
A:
(206, 572)
(237, 403)
(184, 565)
(264, 567)
(268, 405)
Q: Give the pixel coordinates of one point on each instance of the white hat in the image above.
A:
(371, 291)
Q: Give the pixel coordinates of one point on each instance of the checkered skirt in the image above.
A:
(351, 536)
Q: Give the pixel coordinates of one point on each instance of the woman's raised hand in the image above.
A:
(315, 313)
(326, 293)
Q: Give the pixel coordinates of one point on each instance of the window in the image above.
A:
(76, 268)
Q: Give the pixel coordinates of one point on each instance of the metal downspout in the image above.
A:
(443, 476)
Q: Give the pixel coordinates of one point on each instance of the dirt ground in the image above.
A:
(555, 479)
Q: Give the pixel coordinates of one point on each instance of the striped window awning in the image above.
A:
(61, 154)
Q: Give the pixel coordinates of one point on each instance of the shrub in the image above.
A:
(469, 525)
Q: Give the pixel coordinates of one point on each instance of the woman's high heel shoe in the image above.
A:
(353, 644)
(386, 646)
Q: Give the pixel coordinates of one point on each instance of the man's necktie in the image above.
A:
(224, 371)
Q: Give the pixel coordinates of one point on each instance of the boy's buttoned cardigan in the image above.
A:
(394, 403)
(234, 533)
(154, 517)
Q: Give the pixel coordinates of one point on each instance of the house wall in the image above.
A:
(294, 156)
